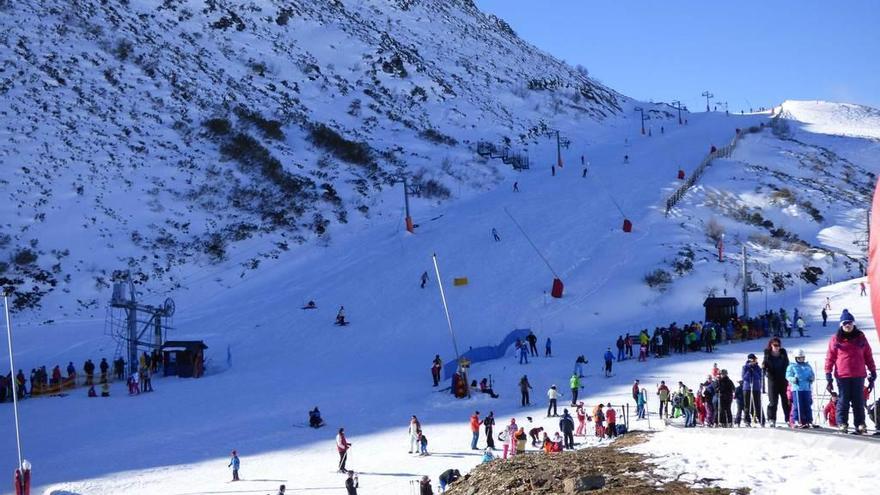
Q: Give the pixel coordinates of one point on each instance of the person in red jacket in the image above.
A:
(475, 429)
(831, 411)
(611, 419)
(848, 357)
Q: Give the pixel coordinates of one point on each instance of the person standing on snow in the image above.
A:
(824, 318)
(510, 445)
(533, 343)
(801, 325)
(425, 486)
(800, 375)
(547, 351)
(475, 430)
(524, 388)
(775, 365)
(635, 391)
(581, 414)
(351, 484)
(340, 316)
(552, 394)
(830, 411)
(488, 426)
(611, 419)
(609, 360)
(738, 396)
(726, 391)
(620, 344)
(566, 424)
(663, 394)
(579, 365)
(523, 353)
(848, 358)
(628, 343)
(234, 463)
(436, 366)
(752, 379)
(495, 235)
(342, 447)
(575, 384)
(414, 428)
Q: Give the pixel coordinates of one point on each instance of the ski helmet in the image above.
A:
(800, 354)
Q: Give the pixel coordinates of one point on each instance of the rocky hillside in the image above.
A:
(158, 137)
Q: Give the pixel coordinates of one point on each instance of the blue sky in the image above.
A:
(748, 52)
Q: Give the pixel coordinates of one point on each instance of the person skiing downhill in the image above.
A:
(800, 375)
(495, 235)
(848, 357)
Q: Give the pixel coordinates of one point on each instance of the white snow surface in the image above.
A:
(372, 375)
(842, 119)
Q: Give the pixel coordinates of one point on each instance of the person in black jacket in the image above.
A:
(425, 486)
(533, 343)
(448, 477)
(566, 424)
(488, 425)
(740, 402)
(726, 391)
(351, 483)
(775, 364)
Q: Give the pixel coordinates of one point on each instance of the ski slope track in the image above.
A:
(372, 375)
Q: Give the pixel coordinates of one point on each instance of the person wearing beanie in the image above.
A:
(849, 361)
(752, 378)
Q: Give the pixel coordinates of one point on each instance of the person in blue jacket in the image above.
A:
(234, 464)
(801, 376)
(547, 352)
(609, 360)
(752, 377)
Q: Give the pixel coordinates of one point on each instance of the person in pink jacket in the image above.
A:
(850, 360)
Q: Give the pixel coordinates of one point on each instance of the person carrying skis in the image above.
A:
(663, 394)
(609, 360)
(524, 388)
(436, 366)
(532, 339)
(342, 447)
(800, 375)
(752, 379)
(848, 358)
(234, 463)
(475, 429)
(775, 365)
(574, 384)
(566, 424)
(552, 394)
(488, 426)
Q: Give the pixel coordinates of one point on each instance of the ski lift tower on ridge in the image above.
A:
(132, 331)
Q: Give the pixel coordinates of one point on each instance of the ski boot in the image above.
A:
(844, 428)
(861, 429)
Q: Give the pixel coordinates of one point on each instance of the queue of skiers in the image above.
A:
(44, 382)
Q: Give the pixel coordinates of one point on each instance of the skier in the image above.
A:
(340, 316)
(414, 430)
(423, 443)
(579, 365)
(824, 318)
(663, 394)
(620, 344)
(635, 391)
(547, 351)
(510, 445)
(775, 365)
(524, 388)
(436, 366)
(234, 463)
(495, 235)
(351, 484)
(611, 421)
(134, 387)
(830, 411)
(800, 375)
(628, 343)
(516, 186)
(609, 360)
(552, 394)
(71, 370)
(862, 289)
(342, 447)
(801, 324)
(566, 424)
(89, 368)
(282, 490)
(640, 404)
(598, 420)
(103, 366)
(523, 352)
(533, 343)
(575, 384)
(424, 279)
(849, 355)
(105, 389)
(751, 377)
(475, 429)
(738, 395)
(315, 420)
(488, 426)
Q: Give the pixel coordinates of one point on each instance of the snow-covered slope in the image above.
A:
(841, 119)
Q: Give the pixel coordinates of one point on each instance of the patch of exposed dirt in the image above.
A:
(594, 470)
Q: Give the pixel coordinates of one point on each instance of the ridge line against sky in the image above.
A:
(749, 53)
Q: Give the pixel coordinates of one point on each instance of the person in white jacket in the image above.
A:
(414, 429)
(553, 395)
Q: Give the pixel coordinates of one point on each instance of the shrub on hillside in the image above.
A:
(350, 151)
(436, 136)
(658, 279)
(218, 126)
(24, 257)
(435, 189)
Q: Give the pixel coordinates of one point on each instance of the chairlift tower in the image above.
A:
(140, 321)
